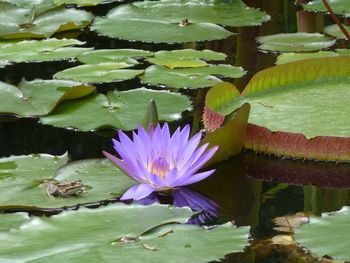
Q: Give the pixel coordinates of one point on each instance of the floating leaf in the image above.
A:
(38, 6)
(40, 50)
(200, 77)
(338, 6)
(4, 63)
(113, 55)
(121, 109)
(88, 234)
(133, 23)
(10, 221)
(17, 22)
(185, 58)
(292, 57)
(39, 97)
(334, 30)
(228, 13)
(295, 42)
(22, 180)
(289, 115)
(343, 52)
(332, 226)
(99, 73)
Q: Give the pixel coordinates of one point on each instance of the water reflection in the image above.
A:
(206, 210)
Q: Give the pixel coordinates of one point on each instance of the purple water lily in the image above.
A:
(160, 162)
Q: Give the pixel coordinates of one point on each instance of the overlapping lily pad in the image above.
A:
(88, 235)
(119, 109)
(289, 115)
(22, 179)
(185, 58)
(39, 97)
(334, 30)
(18, 22)
(295, 42)
(40, 50)
(39, 6)
(83, 2)
(177, 21)
(99, 73)
(292, 57)
(113, 55)
(198, 77)
(338, 6)
(334, 227)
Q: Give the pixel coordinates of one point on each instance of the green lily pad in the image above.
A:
(343, 52)
(199, 77)
(120, 109)
(17, 22)
(39, 6)
(39, 97)
(185, 58)
(10, 221)
(88, 235)
(334, 30)
(40, 50)
(334, 227)
(113, 55)
(292, 57)
(83, 2)
(99, 73)
(289, 114)
(338, 6)
(22, 177)
(295, 42)
(132, 23)
(228, 13)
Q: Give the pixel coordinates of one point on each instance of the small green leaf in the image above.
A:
(151, 115)
(99, 73)
(295, 42)
(200, 77)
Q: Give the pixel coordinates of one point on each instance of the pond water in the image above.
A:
(250, 189)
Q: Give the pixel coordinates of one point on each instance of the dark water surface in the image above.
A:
(251, 189)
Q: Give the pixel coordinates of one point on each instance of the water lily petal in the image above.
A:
(194, 178)
(138, 192)
(187, 151)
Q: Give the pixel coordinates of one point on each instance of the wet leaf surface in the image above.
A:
(121, 109)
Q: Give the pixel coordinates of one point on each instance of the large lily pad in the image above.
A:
(185, 58)
(198, 77)
(292, 57)
(295, 42)
(99, 73)
(39, 97)
(334, 30)
(88, 235)
(113, 55)
(17, 22)
(10, 221)
(228, 13)
(22, 177)
(332, 226)
(39, 6)
(40, 50)
(133, 23)
(289, 101)
(120, 109)
(338, 6)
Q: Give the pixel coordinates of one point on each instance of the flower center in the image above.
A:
(159, 167)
